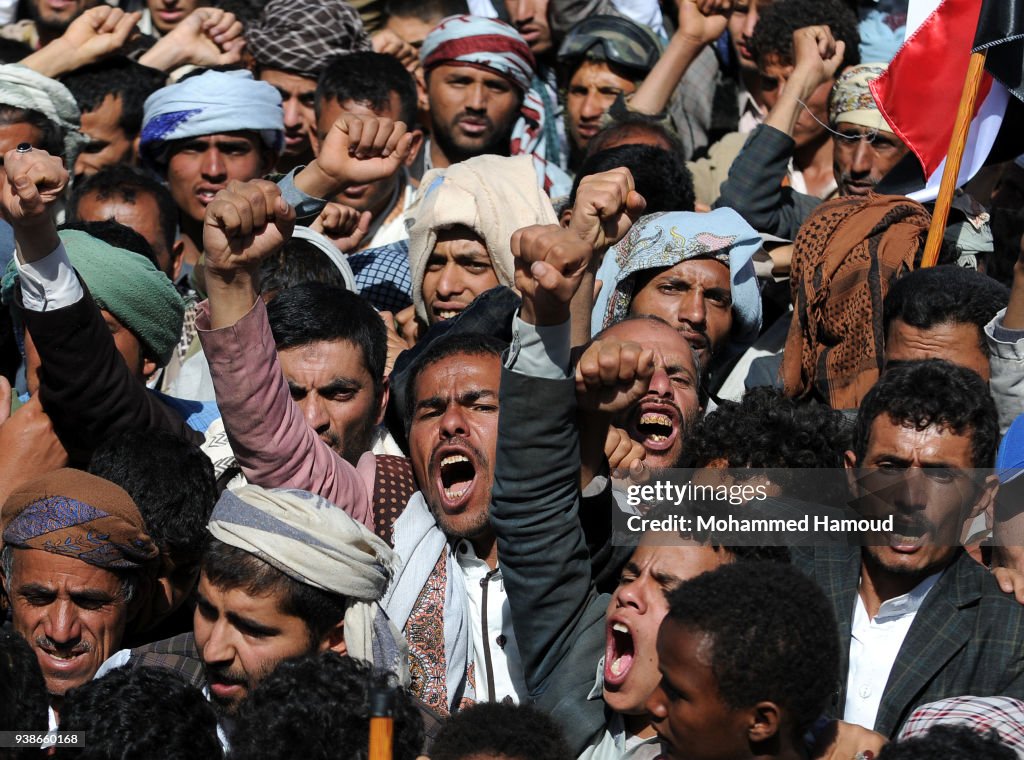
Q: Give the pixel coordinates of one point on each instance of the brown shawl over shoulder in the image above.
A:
(845, 257)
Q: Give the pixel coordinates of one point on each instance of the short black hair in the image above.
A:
(776, 639)
(120, 77)
(52, 140)
(773, 35)
(426, 10)
(299, 261)
(124, 181)
(943, 295)
(317, 707)
(661, 177)
(370, 78)
(931, 392)
(495, 729)
(949, 743)
(768, 429)
(118, 235)
(313, 312)
(140, 712)
(12, 51)
(228, 567)
(626, 123)
(469, 344)
(171, 481)
(23, 698)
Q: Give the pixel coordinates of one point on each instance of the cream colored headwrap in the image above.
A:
(851, 99)
(492, 195)
(22, 87)
(312, 541)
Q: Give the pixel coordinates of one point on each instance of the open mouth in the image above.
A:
(445, 312)
(456, 476)
(907, 536)
(656, 427)
(206, 195)
(619, 654)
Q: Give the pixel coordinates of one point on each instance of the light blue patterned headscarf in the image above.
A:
(667, 238)
(208, 104)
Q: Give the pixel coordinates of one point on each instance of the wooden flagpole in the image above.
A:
(962, 125)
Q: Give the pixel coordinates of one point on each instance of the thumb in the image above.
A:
(635, 205)
(545, 275)
(5, 399)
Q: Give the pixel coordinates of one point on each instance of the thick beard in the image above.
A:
(498, 145)
(54, 26)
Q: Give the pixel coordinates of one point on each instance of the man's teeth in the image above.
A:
(448, 314)
(451, 493)
(617, 666)
(453, 459)
(620, 628)
(653, 418)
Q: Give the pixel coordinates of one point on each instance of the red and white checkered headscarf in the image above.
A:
(480, 42)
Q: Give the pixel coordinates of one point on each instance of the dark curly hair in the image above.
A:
(775, 640)
(22, 691)
(773, 35)
(317, 707)
(140, 712)
(945, 295)
(949, 743)
(932, 392)
(661, 177)
(767, 429)
(512, 732)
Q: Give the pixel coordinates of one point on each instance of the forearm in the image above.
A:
(1014, 317)
(270, 439)
(165, 55)
(230, 297)
(654, 93)
(36, 242)
(784, 114)
(53, 60)
(593, 433)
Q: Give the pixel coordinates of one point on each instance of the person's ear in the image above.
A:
(148, 367)
(850, 465)
(414, 147)
(989, 489)
(565, 217)
(765, 718)
(177, 258)
(334, 641)
(382, 405)
(136, 160)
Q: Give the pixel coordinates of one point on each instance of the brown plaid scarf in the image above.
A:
(846, 255)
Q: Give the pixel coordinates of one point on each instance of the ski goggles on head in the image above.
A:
(623, 42)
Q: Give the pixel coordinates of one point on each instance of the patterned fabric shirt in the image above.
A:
(383, 276)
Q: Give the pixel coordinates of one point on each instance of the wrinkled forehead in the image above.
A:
(457, 374)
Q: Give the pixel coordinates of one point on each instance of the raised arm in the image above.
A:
(754, 185)
(85, 386)
(271, 441)
(700, 24)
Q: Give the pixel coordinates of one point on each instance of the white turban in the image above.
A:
(314, 542)
(492, 195)
(211, 103)
(21, 87)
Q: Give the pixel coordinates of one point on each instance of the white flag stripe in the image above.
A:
(917, 12)
(980, 139)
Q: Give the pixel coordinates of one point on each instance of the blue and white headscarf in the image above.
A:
(665, 239)
(212, 103)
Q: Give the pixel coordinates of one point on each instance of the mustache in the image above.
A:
(475, 117)
(49, 645)
(225, 675)
(435, 458)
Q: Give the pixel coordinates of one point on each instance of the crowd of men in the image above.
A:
(337, 337)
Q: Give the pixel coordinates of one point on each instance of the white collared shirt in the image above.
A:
(874, 646)
(506, 665)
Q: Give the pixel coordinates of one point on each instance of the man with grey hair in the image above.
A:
(74, 548)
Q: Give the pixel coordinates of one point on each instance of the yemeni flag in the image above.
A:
(920, 93)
